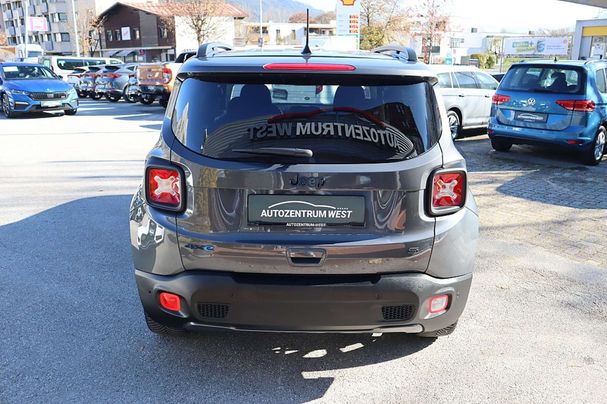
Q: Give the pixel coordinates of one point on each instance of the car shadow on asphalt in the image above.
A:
(80, 323)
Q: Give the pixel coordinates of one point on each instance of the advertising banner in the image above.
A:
(537, 46)
(126, 33)
(37, 24)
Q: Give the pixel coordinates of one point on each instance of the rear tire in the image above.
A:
(147, 99)
(455, 124)
(439, 333)
(71, 112)
(163, 101)
(594, 155)
(95, 96)
(501, 145)
(129, 98)
(161, 329)
(112, 98)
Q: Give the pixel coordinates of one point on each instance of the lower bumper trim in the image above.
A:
(407, 329)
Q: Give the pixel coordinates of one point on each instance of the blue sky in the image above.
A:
(515, 15)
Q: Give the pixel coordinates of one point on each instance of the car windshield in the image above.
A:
(319, 122)
(549, 79)
(27, 73)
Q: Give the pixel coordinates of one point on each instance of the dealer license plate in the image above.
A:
(50, 104)
(293, 210)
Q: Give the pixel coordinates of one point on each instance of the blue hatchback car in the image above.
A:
(561, 104)
(27, 87)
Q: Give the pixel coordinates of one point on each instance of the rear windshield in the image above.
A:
(330, 122)
(551, 79)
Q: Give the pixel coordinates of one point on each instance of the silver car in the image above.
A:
(304, 193)
(467, 93)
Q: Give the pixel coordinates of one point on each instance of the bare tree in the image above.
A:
(201, 16)
(325, 18)
(89, 31)
(382, 21)
(433, 23)
(298, 17)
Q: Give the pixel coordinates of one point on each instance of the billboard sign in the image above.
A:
(537, 46)
(348, 17)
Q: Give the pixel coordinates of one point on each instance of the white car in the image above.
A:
(467, 93)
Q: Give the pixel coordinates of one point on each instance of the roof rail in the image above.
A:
(210, 48)
(400, 52)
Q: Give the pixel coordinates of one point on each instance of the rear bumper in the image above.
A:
(299, 303)
(558, 138)
(154, 90)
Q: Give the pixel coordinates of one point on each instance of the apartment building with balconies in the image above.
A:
(61, 36)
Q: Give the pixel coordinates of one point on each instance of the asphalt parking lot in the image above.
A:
(73, 330)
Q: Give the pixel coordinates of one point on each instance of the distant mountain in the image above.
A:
(275, 10)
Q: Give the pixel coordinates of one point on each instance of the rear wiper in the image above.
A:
(277, 151)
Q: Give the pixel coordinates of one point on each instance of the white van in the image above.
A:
(64, 65)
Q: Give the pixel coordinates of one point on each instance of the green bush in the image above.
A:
(485, 60)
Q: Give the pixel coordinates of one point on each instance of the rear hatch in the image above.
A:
(540, 96)
(107, 75)
(151, 74)
(287, 171)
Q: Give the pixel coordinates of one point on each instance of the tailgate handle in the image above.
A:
(305, 257)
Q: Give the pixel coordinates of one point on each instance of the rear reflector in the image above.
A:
(448, 192)
(170, 301)
(500, 99)
(164, 187)
(577, 105)
(438, 304)
(575, 141)
(309, 67)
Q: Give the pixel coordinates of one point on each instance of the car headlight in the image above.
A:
(20, 92)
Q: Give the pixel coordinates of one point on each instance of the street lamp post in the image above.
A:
(260, 24)
(75, 29)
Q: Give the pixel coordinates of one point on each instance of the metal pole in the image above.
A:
(27, 16)
(76, 29)
(260, 24)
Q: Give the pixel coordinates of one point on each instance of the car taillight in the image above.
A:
(170, 301)
(577, 105)
(448, 192)
(111, 75)
(164, 187)
(167, 75)
(500, 99)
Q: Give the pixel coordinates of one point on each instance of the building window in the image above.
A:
(108, 35)
(62, 16)
(117, 36)
(65, 37)
(136, 33)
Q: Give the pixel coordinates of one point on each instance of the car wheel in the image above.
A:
(147, 99)
(95, 96)
(455, 124)
(594, 155)
(71, 112)
(130, 98)
(439, 333)
(112, 97)
(164, 101)
(161, 329)
(82, 94)
(6, 107)
(501, 145)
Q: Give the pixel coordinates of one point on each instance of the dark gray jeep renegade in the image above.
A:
(304, 193)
